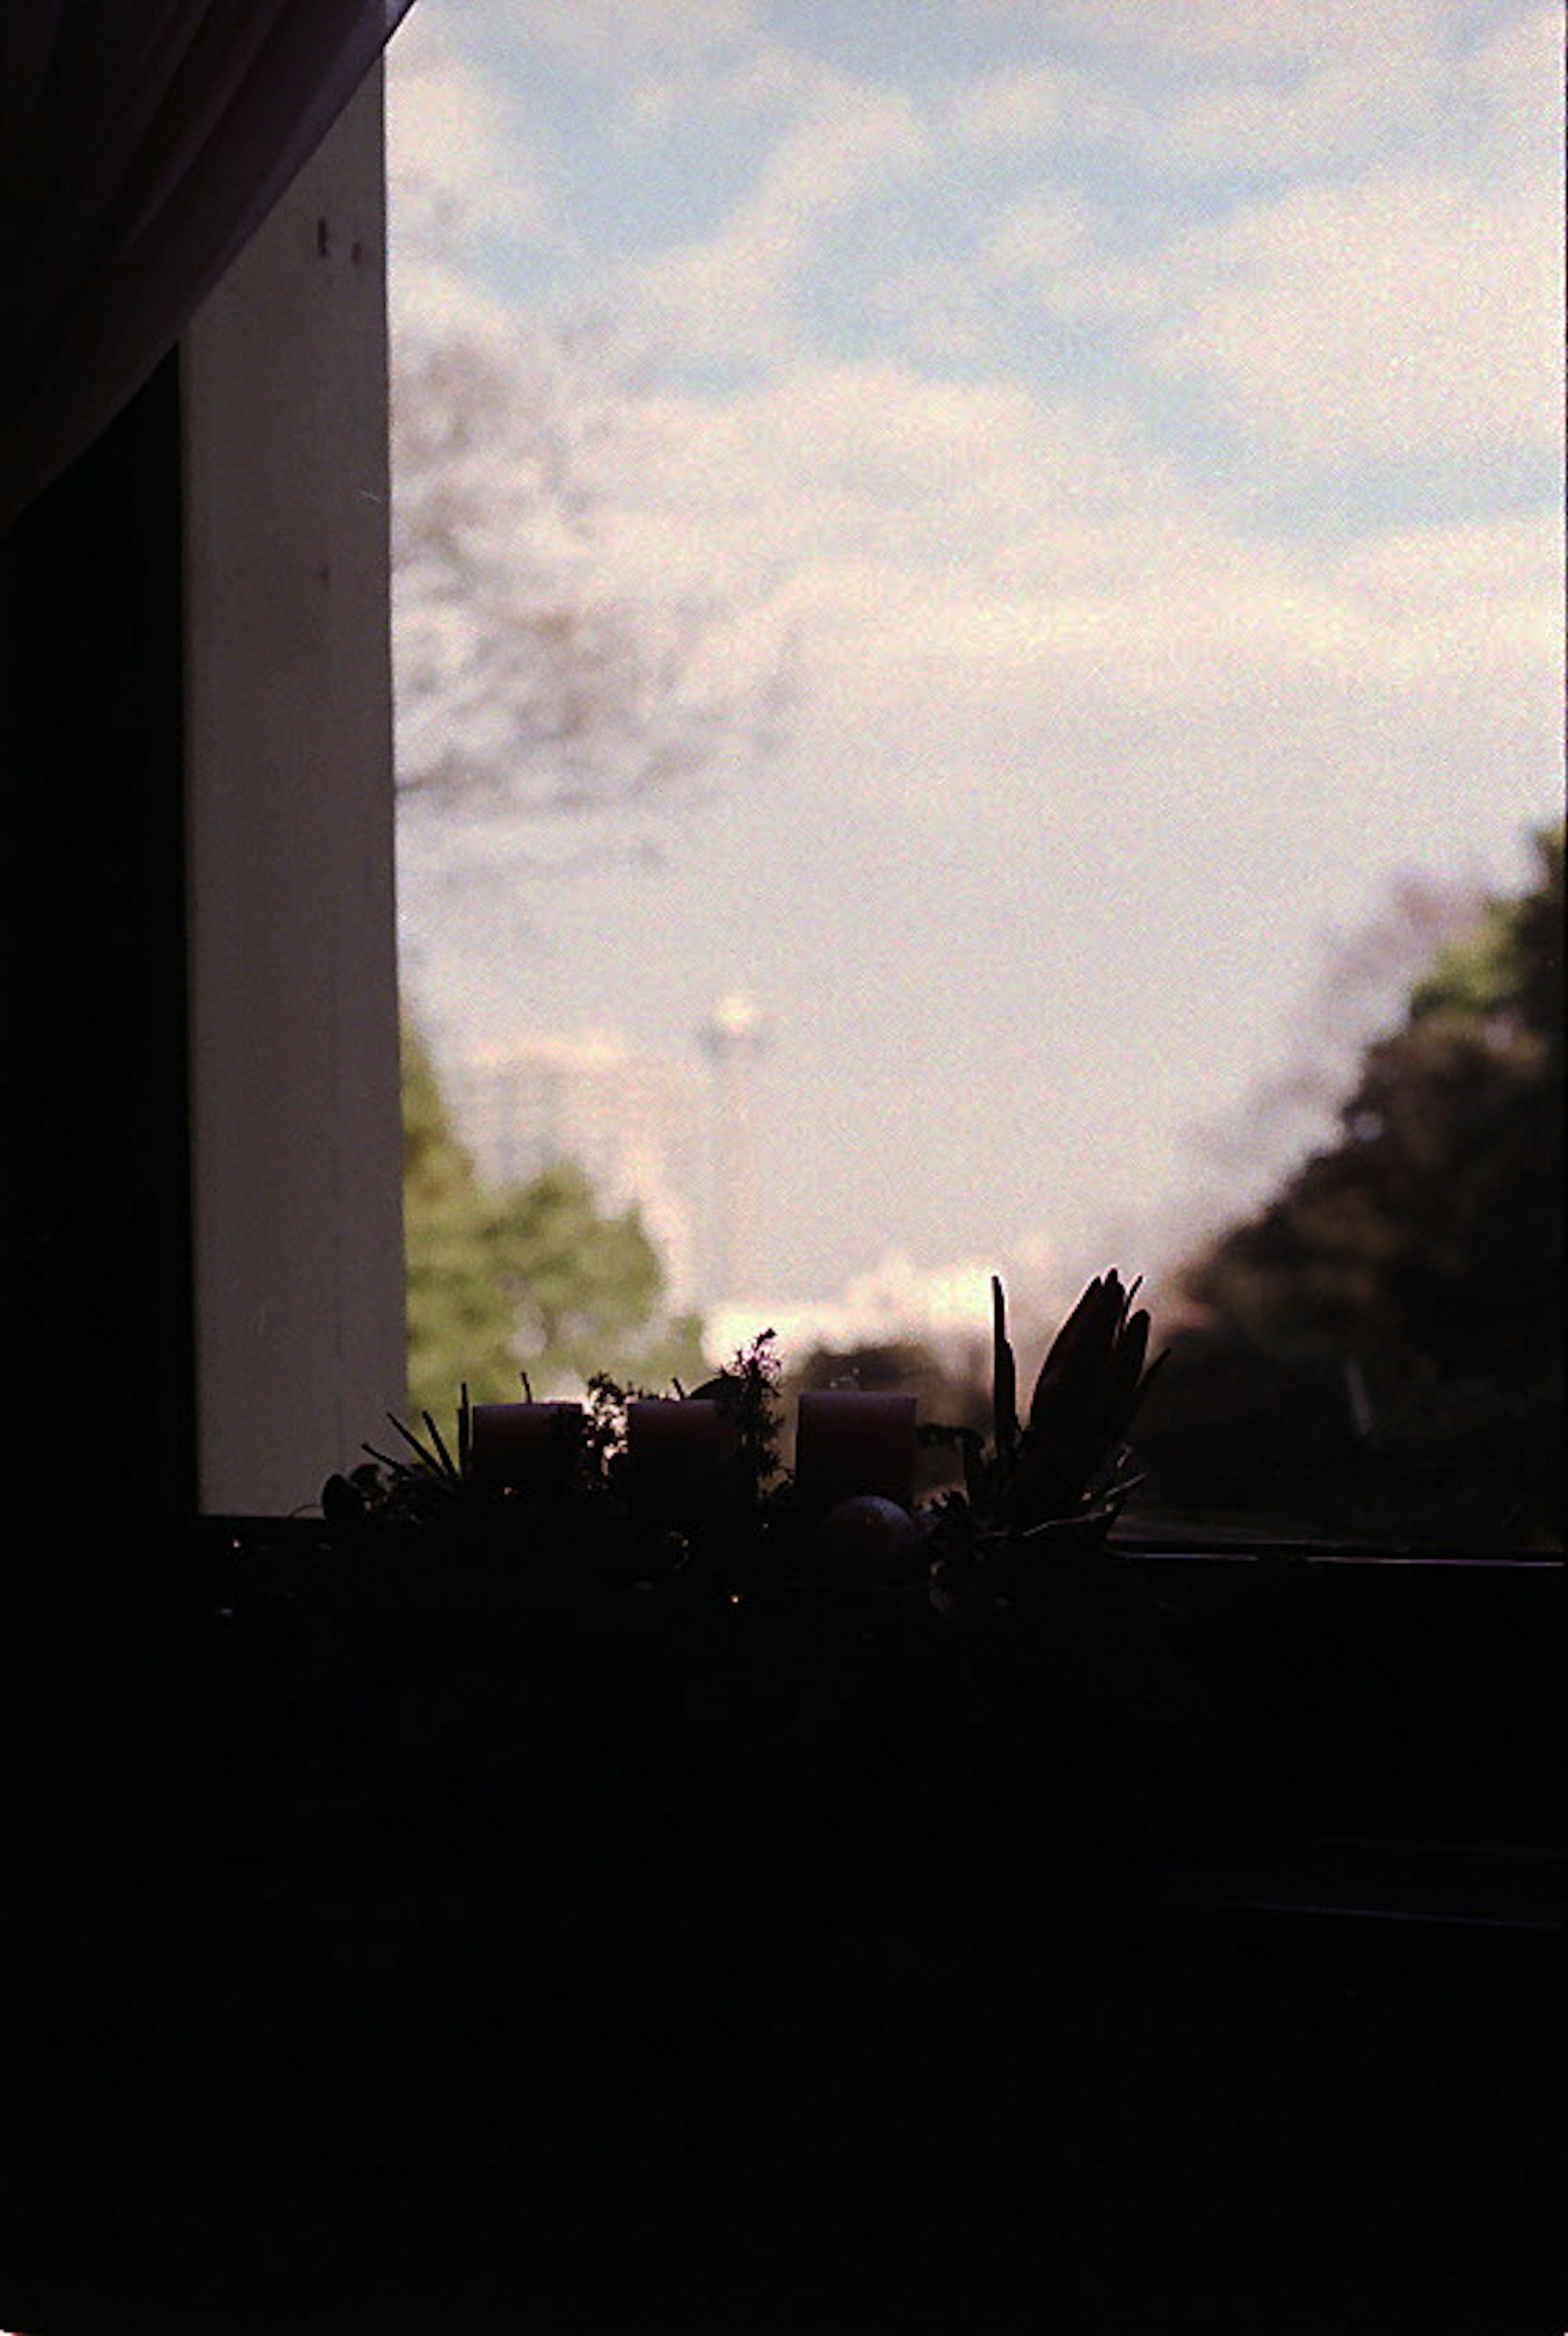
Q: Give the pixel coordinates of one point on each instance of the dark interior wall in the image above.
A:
(98, 1343)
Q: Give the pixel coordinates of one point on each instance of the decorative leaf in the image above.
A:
(427, 1458)
(1005, 1375)
(1127, 1372)
(443, 1458)
(1069, 1338)
(1140, 1391)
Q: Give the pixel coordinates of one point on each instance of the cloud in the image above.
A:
(459, 153)
(1385, 308)
(1060, 245)
(731, 294)
(1517, 74)
(874, 467)
(751, 82)
(1348, 109)
(982, 583)
(463, 168)
(1251, 33)
(1217, 91)
(1406, 315)
(936, 309)
(1019, 106)
(1041, 234)
(611, 31)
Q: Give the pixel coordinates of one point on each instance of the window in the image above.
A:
(1117, 434)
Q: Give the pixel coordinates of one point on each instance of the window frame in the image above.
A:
(297, 1140)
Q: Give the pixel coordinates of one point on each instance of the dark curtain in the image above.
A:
(141, 144)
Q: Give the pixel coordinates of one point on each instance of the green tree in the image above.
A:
(460, 1326)
(1395, 1313)
(585, 1289)
(533, 1278)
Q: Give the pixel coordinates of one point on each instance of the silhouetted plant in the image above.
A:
(1056, 1479)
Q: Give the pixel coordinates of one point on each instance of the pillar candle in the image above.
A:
(680, 1458)
(848, 1443)
(525, 1447)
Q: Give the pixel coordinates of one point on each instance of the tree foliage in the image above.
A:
(531, 1278)
(1379, 1348)
(538, 674)
(460, 1326)
(585, 1287)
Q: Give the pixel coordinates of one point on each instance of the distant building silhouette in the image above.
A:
(733, 1036)
(630, 1121)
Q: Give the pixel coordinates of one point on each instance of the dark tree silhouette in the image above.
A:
(1380, 1349)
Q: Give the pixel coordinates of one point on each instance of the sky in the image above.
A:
(1131, 435)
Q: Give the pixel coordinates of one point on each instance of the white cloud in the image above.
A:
(749, 80)
(461, 158)
(936, 310)
(1254, 32)
(1053, 241)
(1218, 88)
(1405, 314)
(462, 166)
(660, 27)
(1023, 104)
(1483, 601)
(1041, 234)
(1389, 311)
(982, 585)
(731, 294)
(1517, 74)
(958, 558)
(1342, 110)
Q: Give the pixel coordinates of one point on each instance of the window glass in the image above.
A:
(977, 620)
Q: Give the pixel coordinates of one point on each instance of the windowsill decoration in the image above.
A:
(683, 1498)
(781, 1686)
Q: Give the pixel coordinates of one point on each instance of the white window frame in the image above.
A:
(295, 1121)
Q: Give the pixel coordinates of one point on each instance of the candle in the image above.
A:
(532, 1447)
(848, 1443)
(679, 1459)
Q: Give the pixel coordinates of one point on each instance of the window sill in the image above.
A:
(1408, 1705)
(650, 2088)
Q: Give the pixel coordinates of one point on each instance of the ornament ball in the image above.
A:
(869, 1538)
